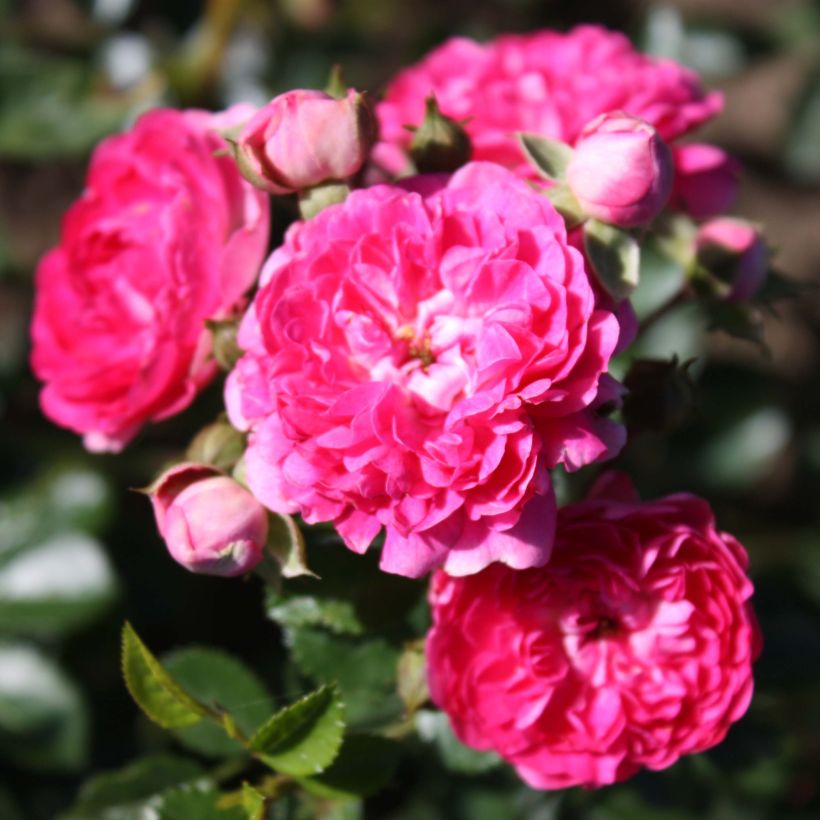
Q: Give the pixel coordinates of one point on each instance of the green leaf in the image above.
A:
(549, 157)
(615, 257)
(254, 803)
(412, 677)
(434, 727)
(114, 794)
(154, 690)
(365, 672)
(661, 279)
(8, 806)
(189, 803)
(43, 718)
(305, 737)
(49, 106)
(801, 154)
(365, 764)
(223, 684)
(56, 587)
(287, 544)
(745, 452)
(62, 499)
(305, 610)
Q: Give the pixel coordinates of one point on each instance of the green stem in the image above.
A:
(229, 769)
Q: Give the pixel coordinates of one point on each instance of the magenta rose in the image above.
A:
(631, 647)
(706, 180)
(417, 360)
(303, 138)
(211, 524)
(547, 83)
(166, 235)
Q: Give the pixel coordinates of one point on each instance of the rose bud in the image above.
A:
(211, 524)
(440, 144)
(303, 138)
(706, 180)
(621, 170)
(734, 251)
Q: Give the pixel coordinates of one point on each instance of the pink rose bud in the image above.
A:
(734, 251)
(706, 180)
(211, 524)
(303, 138)
(621, 170)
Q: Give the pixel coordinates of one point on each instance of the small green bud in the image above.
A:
(440, 144)
(314, 200)
(219, 444)
(225, 347)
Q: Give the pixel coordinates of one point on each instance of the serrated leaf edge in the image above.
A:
(161, 676)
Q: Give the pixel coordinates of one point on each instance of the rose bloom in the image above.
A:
(546, 83)
(418, 360)
(631, 647)
(706, 182)
(166, 235)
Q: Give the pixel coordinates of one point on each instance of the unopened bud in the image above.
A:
(223, 343)
(440, 144)
(621, 170)
(218, 445)
(210, 523)
(733, 251)
(305, 138)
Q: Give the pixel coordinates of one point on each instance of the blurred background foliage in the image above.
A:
(79, 553)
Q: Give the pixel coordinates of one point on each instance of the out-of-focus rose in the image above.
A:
(621, 170)
(166, 235)
(546, 83)
(417, 360)
(734, 251)
(631, 647)
(706, 180)
(304, 138)
(211, 524)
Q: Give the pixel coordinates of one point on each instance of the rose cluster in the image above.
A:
(419, 354)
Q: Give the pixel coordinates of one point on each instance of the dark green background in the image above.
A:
(752, 447)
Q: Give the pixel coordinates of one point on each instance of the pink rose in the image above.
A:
(621, 170)
(211, 524)
(303, 138)
(417, 360)
(706, 180)
(546, 83)
(631, 647)
(166, 235)
(734, 251)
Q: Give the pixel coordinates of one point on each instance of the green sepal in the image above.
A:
(615, 257)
